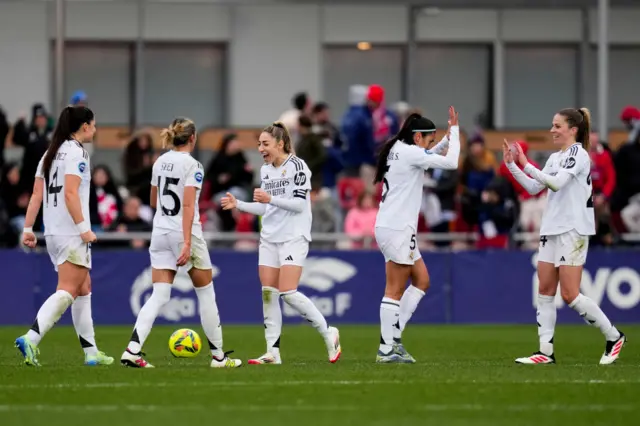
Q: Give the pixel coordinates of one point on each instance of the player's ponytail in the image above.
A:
(179, 133)
(581, 120)
(70, 121)
(414, 123)
(279, 132)
(584, 130)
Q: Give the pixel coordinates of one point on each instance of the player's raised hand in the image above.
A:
(507, 153)
(453, 117)
(229, 202)
(88, 237)
(29, 239)
(261, 196)
(185, 254)
(519, 154)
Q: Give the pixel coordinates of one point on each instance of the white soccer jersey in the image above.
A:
(172, 172)
(71, 159)
(289, 181)
(570, 207)
(404, 178)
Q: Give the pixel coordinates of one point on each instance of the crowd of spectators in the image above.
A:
(480, 197)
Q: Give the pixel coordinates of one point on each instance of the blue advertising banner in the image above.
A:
(466, 287)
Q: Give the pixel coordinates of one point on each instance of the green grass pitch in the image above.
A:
(465, 375)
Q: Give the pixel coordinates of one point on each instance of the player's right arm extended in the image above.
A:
(429, 159)
(530, 185)
(258, 209)
(72, 200)
(34, 203)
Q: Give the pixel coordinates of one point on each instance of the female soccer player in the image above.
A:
(567, 222)
(63, 179)
(401, 166)
(177, 241)
(284, 204)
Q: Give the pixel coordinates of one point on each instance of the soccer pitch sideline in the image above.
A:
(465, 375)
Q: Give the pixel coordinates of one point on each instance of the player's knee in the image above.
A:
(161, 293)
(569, 294)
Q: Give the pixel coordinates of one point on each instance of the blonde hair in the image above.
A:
(178, 133)
(279, 132)
(581, 119)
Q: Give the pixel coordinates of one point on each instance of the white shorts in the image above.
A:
(165, 249)
(398, 247)
(68, 248)
(289, 253)
(567, 249)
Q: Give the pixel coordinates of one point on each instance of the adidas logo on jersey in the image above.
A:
(289, 258)
(562, 259)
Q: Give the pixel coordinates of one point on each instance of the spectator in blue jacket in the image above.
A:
(357, 133)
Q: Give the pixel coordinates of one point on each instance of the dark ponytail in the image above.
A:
(414, 123)
(70, 121)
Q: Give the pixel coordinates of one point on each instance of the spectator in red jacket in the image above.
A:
(603, 181)
(531, 206)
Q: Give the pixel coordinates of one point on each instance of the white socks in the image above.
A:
(272, 319)
(408, 304)
(83, 323)
(546, 317)
(49, 313)
(593, 315)
(160, 296)
(210, 318)
(389, 316)
(305, 307)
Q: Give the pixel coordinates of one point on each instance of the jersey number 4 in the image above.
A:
(385, 185)
(167, 191)
(54, 189)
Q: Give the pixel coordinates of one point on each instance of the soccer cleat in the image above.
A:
(267, 358)
(391, 358)
(28, 350)
(537, 358)
(225, 362)
(333, 344)
(100, 359)
(129, 359)
(399, 349)
(612, 350)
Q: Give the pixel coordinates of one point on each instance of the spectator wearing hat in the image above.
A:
(35, 140)
(385, 122)
(79, 98)
(630, 116)
(357, 131)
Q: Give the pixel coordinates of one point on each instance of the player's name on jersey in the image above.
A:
(393, 156)
(167, 167)
(60, 156)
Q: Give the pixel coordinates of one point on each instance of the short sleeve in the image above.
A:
(76, 163)
(195, 175)
(39, 173)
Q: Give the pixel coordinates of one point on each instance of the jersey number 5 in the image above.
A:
(167, 191)
(385, 185)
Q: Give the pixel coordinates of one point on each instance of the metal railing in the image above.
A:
(334, 237)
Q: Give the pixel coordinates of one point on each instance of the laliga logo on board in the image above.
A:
(182, 303)
(322, 274)
(605, 280)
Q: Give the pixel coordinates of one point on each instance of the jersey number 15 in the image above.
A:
(167, 191)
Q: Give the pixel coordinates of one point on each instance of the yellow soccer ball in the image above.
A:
(185, 343)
